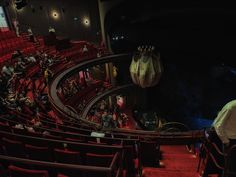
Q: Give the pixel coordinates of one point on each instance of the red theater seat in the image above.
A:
(61, 175)
(98, 159)
(38, 153)
(66, 156)
(21, 172)
(14, 148)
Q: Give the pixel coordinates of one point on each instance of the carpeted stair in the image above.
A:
(176, 161)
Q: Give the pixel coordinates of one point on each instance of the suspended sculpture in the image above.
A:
(146, 68)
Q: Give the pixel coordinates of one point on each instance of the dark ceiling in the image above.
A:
(187, 29)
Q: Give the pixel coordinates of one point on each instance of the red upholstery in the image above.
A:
(21, 172)
(61, 175)
(98, 159)
(38, 153)
(66, 156)
(14, 148)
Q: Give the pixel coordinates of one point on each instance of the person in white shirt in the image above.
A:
(51, 30)
(225, 123)
(85, 49)
(31, 35)
(225, 128)
(31, 59)
(7, 70)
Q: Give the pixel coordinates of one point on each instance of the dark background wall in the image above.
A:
(197, 46)
(38, 15)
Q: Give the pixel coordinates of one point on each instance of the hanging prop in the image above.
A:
(146, 68)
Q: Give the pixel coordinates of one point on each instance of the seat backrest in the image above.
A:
(149, 153)
(4, 127)
(61, 175)
(66, 156)
(99, 159)
(21, 172)
(14, 148)
(38, 153)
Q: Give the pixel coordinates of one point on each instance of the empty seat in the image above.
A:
(14, 148)
(4, 127)
(66, 156)
(70, 157)
(38, 153)
(98, 159)
(61, 175)
(21, 172)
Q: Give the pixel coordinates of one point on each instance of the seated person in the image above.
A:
(31, 35)
(51, 30)
(36, 122)
(98, 135)
(7, 70)
(106, 119)
(16, 54)
(19, 67)
(31, 59)
(85, 49)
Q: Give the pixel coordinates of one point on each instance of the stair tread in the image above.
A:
(176, 161)
(160, 172)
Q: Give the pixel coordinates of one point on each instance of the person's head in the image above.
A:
(105, 112)
(14, 76)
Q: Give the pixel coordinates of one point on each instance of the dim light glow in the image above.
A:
(86, 21)
(55, 15)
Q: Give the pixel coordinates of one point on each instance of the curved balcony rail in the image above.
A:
(67, 112)
(55, 100)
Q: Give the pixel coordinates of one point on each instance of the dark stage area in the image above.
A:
(196, 46)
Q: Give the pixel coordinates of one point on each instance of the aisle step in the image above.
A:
(159, 172)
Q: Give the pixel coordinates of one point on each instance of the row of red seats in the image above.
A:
(11, 46)
(5, 56)
(9, 43)
(18, 149)
(41, 151)
(7, 35)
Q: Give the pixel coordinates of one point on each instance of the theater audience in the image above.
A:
(7, 71)
(47, 76)
(31, 35)
(85, 49)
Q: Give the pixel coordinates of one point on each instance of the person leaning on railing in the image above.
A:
(225, 128)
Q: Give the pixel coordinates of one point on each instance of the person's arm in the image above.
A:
(220, 126)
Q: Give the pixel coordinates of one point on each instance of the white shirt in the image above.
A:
(51, 30)
(225, 122)
(7, 70)
(97, 134)
(31, 59)
(85, 49)
(30, 31)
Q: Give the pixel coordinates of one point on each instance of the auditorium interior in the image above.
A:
(115, 88)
